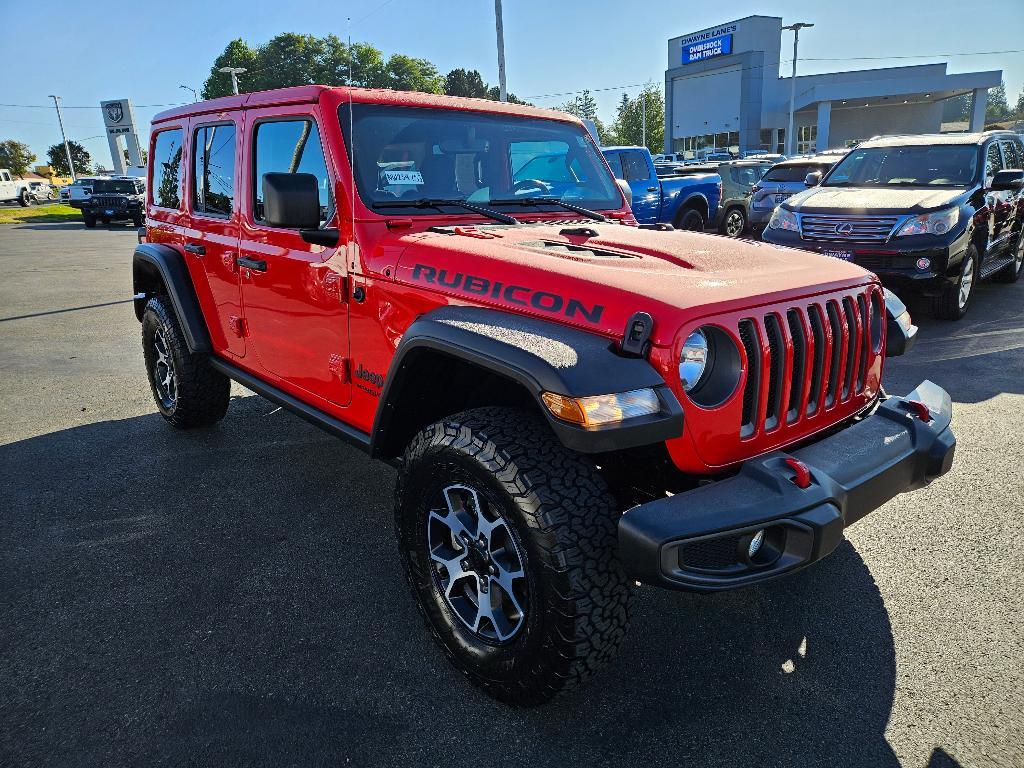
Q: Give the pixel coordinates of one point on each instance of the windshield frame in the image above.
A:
(973, 181)
(388, 206)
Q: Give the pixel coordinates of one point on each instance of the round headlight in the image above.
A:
(693, 360)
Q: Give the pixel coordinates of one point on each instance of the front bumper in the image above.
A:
(699, 540)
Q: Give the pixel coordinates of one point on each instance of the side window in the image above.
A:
(290, 146)
(993, 162)
(166, 168)
(1012, 155)
(213, 170)
(615, 161)
(634, 166)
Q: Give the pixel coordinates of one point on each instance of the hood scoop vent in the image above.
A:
(574, 251)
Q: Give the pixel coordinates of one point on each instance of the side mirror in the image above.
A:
(1011, 180)
(291, 200)
(626, 191)
(900, 332)
(812, 179)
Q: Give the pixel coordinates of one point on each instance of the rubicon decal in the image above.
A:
(524, 296)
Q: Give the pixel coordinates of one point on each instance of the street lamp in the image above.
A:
(67, 148)
(234, 72)
(792, 82)
(195, 95)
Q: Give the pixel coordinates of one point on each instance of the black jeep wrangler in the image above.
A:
(928, 214)
(120, 199)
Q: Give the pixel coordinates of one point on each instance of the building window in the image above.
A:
(697, 147)
(807, 139)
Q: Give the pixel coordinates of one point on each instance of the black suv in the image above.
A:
(929, 214)
(115, 200)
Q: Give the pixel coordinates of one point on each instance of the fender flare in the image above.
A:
(541, 356)
(684, 203)
(166, 263)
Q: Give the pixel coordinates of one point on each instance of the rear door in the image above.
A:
(1013, 158)
(294, 293)
(211, 239)
(998, 204)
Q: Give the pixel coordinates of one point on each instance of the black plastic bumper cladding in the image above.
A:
(853, 472)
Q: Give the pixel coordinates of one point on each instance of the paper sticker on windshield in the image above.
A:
(402, 177)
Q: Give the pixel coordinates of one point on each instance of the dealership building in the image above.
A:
(723, 90)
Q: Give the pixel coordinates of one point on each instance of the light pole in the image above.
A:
(499, 28)
(195, 95)
(67, 149)
(792, 83)
(643, 118)
(234, 72)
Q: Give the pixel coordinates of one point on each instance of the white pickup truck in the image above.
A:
(14, 190)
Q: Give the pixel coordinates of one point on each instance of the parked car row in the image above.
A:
(24, 191)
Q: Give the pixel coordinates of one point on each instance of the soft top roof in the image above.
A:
(307, 94)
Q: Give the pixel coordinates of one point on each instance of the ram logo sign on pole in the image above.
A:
(119, 119)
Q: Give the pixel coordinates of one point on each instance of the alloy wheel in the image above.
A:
(734, 224)
(163, 371)
(477, 564)
(966, 282)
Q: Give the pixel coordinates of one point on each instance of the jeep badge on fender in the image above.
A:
(513, 339)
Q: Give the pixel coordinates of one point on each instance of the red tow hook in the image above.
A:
(802, 479)
(919, 409)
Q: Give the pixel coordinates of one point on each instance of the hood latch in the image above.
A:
(636, 340)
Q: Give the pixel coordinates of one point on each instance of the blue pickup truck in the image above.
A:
(686, 202)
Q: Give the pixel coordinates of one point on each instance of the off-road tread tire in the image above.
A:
(947, 305)
(1010, 273)
(203, 393)
(573, 522)
(89, 221)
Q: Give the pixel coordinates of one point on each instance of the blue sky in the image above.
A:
(144, 51)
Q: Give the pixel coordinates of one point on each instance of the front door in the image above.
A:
(294, 293)
(644, 185)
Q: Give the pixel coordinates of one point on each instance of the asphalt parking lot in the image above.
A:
(232, 596)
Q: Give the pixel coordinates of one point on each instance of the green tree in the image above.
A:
(957, 109)
(584, 107)
(16, 157)
(466, 82)
(57, 159)
(236, 54)
(404, 73)
(628, 127)
(1019, 109)
(997, 109)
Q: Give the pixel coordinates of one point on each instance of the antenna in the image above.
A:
(351, 142)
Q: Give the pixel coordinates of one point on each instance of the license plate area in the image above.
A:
(837, 253)
(780, 198)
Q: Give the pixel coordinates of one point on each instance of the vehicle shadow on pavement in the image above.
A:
(233, 595)
(993, 340)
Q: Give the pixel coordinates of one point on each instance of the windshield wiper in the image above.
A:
(435, 202)
(551, 201)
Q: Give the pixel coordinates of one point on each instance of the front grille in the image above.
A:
(110, 201)
(805, 359)
(842, 227)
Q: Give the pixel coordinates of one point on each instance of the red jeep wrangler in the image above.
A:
(574, 403)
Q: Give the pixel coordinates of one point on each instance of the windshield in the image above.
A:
(112, 185)
(942, 165)
(414, 154)
(794, 172)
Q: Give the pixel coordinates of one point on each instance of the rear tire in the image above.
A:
(1012, 271)
(24, 199)
(955, 299)
(137, 221)
(187, 391)
(690, 220)
(556, 556)
(735, 223)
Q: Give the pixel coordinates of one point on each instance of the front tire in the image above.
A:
(734, 224)
(24, 199)
(956, 297)
(89, 221)
(187, 391)
(509, 544)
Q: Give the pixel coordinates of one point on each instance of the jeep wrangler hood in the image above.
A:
(597, 275)
(856, 200)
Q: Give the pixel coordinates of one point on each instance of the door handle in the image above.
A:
(196, 248)
(257, 265)
(652, 189)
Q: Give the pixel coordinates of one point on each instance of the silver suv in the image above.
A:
(782, 181)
